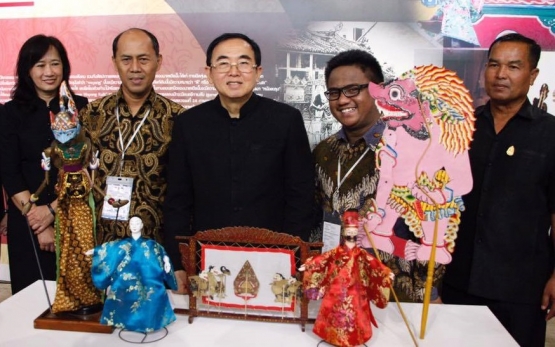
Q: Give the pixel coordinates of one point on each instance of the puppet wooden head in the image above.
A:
(65, 124)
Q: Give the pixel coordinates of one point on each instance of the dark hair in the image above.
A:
(364, 60)
(229, 36)
(153, 39)
(534, 50)
(30, 53)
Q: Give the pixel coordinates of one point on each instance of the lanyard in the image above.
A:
(123, 149)
(340, 181)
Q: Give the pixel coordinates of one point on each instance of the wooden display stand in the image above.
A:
(70, 322)
(245, 238)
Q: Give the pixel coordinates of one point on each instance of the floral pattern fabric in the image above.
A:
(347, 280)
(134, 270)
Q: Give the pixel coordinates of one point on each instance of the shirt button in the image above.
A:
(479, 240)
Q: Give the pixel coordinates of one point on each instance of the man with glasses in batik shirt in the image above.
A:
(240, 159)
(346, 174)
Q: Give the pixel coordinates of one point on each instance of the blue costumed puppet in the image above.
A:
(135, 268)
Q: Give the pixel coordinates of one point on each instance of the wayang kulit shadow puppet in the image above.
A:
(424, 171)
(70, 152)
(135, 269)
(246, 273)
(423, 161)
(347, 278)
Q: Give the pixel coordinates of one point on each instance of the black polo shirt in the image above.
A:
(503, 250)
(253, 171)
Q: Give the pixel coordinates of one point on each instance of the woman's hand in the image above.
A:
(46, 239)
(40, 218)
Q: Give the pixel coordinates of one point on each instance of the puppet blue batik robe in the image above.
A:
(134, 270)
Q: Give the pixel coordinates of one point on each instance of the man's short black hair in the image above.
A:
(153, 39)
(229, 36)
(364, 60)
(534, 50)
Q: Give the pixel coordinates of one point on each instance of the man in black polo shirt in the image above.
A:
(240, 159)
(504, 253)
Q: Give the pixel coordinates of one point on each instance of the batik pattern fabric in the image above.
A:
(134, 270)
(357, 192)
(74, 228)
(347, 280)
(411, 275)
(145, 160)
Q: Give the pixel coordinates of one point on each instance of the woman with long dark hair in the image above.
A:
(25, 133)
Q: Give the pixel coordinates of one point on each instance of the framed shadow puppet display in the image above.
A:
(246, 273)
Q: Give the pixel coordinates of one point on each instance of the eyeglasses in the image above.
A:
(348, 91)
(242, 66)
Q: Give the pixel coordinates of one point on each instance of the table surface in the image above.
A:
(449, 325)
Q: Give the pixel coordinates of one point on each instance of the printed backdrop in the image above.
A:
(297, 38)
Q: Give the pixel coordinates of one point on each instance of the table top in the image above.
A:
(452, 325)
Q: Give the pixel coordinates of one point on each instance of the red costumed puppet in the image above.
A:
(347, 278)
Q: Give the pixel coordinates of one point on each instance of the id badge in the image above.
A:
(117, 188)
(331, 233)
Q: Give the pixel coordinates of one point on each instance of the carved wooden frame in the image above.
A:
(244, 237)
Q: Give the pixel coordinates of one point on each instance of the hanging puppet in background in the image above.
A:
(347, 278)
(457, 18)
(423, 163)
(135, 269)
(71, 154)
(540, 102)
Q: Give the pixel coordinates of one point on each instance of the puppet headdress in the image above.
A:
(67, 118)
(350, 218)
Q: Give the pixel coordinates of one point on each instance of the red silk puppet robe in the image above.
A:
(347, 279)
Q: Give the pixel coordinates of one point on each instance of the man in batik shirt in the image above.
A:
(139, 151)
(346, 174)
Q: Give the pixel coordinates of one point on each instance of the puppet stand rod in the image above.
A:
(392, 288)
(429, 278)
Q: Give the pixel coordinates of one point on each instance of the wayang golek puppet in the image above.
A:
(135, 269)
(70, 152)
(347, 278)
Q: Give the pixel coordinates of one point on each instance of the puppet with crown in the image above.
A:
(347, 278)
(70, 152)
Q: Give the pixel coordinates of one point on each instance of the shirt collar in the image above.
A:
(245, 110)
(148, 101)
(371, 137)
(526, 111)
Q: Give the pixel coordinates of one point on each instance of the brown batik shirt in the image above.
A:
(357, 191)
(145, 159)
